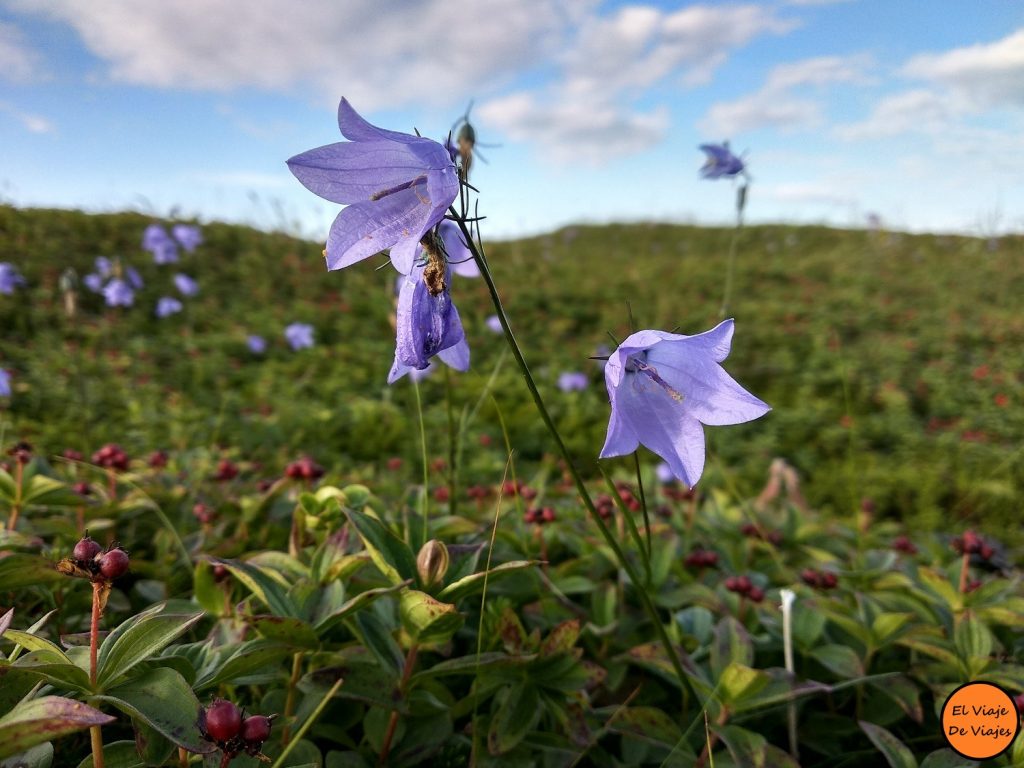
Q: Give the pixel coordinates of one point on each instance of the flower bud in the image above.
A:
(432, 563)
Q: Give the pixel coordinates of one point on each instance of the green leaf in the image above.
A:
(295, 633)
(390, 554)
(263, 584)
(44, 491)
(561, 639)
(839, 659)
(731, 645)
(205, 589)
(378, 640)
(894, 750)
(474, 582)
(739, 682)
(163, 699)
(248, 658)
(18, 571)
(426, 619)
(119, 754)
(518, 712)
(886, 625)
(972, 638)
(40, 720)
(746, 747)
(947, 758)
(30, 642)
(44, 665)
(138, 639)
(39, 756)
(354, 604)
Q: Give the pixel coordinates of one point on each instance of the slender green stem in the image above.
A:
(731, 264)
(410, 662)
(627, 516)
(289, 703)
(643, 504)
(425, 496)
(581, 486)
(306, 725)
(453, 446)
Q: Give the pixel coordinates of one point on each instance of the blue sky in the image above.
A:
(913, 110)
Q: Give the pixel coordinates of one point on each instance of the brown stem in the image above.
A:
(183, 757)
(965, 567)
(410, 662)
(94, 630)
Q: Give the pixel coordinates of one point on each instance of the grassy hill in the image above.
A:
(894, 363)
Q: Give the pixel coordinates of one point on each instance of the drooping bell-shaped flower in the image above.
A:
(118, 293)
(664, 387)
(396, 188)
(720, 161)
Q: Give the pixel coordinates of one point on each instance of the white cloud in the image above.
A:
(379, 55)
(18, 63)
(986, 75)
(30, 122)
(811, 193)
(588, 113)
(775, 106)
(568, 132)
(911, 111)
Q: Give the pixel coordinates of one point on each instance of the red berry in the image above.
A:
(256, 728)
(82, 489)
(86, 550)
(223, 720)
(547, 514)
(114, 564)
(158, 459)
(756, 594)
(828, 580)
(810, 577)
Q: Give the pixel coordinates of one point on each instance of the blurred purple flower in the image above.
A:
(299, 335)
(257, 344)
(720, 161)
(5, 383)
(664, 386)
(186, 285)
(93, 282)
(167, 305)
(118, 293)
(188, 236)
(572, 381)
(10, 278)
(103, 266)
(156, 240)
(428, 325)
(494, 324)
(664, 473)
(395, 187)
(134, 278)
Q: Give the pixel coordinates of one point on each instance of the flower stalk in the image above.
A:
(98, 599)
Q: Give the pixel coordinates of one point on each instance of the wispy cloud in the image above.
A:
(31, 122)
(776, 106)
(18, 62)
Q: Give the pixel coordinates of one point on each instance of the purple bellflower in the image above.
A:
(428, 322)
(396, 188)
(10, 278)
(188, 236)
(186, 285)
(720, 161)
(5, 383)
(156, 240)
(573, 381)
(664, 386)
(134, 278)
(493, 324)
(93, 282)
(299, 336)
(459, 258)
(166, 306)
(256, 344)
(103, 266)
(118, 293)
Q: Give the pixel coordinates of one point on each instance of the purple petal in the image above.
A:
(366, 228)
(621, 439)
(459, 258)
(457, 356)
(355, 128)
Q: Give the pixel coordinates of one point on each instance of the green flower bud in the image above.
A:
(432, 563)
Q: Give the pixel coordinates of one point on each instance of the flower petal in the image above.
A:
(457, 356)
(366, 228)
(355, 128)
(621, 439)
(350, 172)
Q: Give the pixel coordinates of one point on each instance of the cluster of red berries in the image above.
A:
(225, 724)
(702, 558)
(111, 456)
(226, 470)
(518, 488)
(539, 516)
(678, 493)
(752, 531)
(605, 506)
(204, 513)
(102, 565)
(478, 492)
(743, 587)
(304, 469)
(819, 579)
(972, 544)
(22, 452)
(904, 545)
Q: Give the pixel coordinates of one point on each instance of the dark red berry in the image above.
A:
(256, 728)
(158, 459)
(904, 545)
(828, 580)
(547, 515)
(82, 489)
(226, 470)
(1018, 702)
(528, 494)
(114, 564)
(22, 452)
(72, 455)
(85, 550)
(810, 577)
(532, 516)
(986, 551)
(755, 595)
(394, 463)
(223, 720)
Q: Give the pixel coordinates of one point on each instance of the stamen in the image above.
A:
(404, 185)
(651, 371)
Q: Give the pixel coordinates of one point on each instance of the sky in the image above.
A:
(911, 110)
